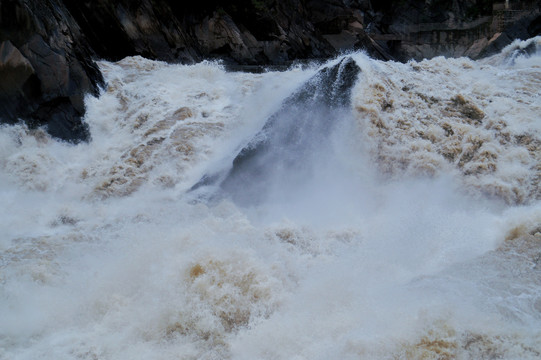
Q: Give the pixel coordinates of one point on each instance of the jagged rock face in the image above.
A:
(15, 69)
(428, 28)
(116, 29)
(240, 31)
(45, 67)
(523, 29)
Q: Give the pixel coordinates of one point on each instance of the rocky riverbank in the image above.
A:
(48, 47)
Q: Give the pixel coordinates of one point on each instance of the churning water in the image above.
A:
(355, 210)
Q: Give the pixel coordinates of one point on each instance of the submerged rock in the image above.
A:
(282, 149)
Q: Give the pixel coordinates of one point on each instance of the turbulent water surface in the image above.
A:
(356, 209)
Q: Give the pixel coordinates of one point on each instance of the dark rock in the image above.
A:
(282, 149)
(18, 82)
(46, 68)
(240, 32)
(534, 28)
(51, 67)
(62, 120)
(417, 29)
(15, 69)
(288, 137)
(522, 29)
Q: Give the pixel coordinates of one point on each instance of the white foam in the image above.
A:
(391, 248)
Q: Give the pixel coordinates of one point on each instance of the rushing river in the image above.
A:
(357, 209)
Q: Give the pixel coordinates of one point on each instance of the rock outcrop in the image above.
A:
(418, 29)
(45, 68)
(290, 137)
(240, 31)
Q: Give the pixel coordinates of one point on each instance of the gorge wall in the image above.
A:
(48, 47)
(46, 68)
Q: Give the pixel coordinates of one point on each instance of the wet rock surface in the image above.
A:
(293, 134)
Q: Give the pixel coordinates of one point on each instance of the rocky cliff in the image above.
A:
(47, 47)
(241, 31)
(475, 28)
(46, 68)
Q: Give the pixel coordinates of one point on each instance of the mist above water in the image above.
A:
(358, 209)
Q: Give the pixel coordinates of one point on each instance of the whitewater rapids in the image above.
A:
(409, 229)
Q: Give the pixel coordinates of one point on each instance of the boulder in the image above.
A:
(290, 137)
(15, 69)
(46, 68)
(150, 28)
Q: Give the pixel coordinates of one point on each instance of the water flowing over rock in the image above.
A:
(292, 135)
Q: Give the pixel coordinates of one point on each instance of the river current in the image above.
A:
(393, 212)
